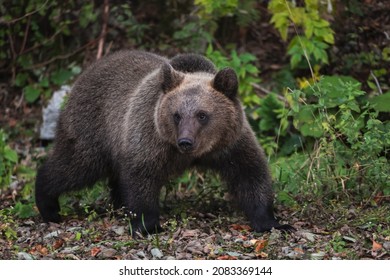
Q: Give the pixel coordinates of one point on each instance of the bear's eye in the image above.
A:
(202, 117)
(176, 118)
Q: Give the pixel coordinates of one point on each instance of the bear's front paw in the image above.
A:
(267, 226)
(145, 226)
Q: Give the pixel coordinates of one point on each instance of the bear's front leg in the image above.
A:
(140, 198)
(245, 171)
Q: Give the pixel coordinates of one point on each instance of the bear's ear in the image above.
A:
(226, 81)
(169, 78)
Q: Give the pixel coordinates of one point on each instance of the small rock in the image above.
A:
(73, 229)
(286, 250)
(308, 236)
(119, 230)
(156, 253)
(170, 258)
(51, 113)
(72, 257)
(52, 234)
(25, 256)
(350, 239)
(248, 243)
(386, 245)
(29, 222)
(317, 256)
(233, 254)
(141, 254)
(239, 240)
(227, 236)
(70, 250)
(108, 252)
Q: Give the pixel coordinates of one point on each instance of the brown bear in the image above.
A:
(140, 119)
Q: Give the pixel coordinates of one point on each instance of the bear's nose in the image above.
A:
(185, 144)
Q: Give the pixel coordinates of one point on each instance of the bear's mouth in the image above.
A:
(186, 150)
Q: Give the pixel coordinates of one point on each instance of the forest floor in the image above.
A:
(197, 230)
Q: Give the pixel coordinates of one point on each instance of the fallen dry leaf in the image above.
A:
(262, 255)
(376, 246)
(259, 245)
(58, 243)
(299, 250)
(190, 233)
(240, 227)
(95, 251)
(39, 249)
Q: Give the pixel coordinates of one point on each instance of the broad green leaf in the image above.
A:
(31, 94)
(329, 38)
(10, 154)
(381, 102)
(61, 76)
(306, 114)
(20, 79)
(314, 130)
(309, 29)
(295, 60)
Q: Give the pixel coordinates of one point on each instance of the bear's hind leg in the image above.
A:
(64, 171)
(48, 187)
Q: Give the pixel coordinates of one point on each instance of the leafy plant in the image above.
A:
(8, 160)
(7, 225)
(317, 32)
(244, 11)
(247, 73)
(347, 144)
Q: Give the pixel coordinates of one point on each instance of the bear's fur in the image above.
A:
(140, 119)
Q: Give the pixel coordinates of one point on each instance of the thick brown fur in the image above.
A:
(139, 119)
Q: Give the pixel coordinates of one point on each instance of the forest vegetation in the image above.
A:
(315, 84)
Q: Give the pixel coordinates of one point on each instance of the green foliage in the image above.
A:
(347, 145)
(24, 210)
(243, 11)
(194, 35)
(381, 103)
(246, 71)
(217, 8)
(7, 225)
(40, 40)
(86, 202)
(124, 20)
(8, 160)
(318, 34)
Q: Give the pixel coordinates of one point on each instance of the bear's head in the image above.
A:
(198, 112)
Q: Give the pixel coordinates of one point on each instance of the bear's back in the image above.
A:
(101, 96)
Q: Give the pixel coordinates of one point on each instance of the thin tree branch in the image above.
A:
(106, 9)
(376, 82)
(265, 92)
(26, 15)
(63, 56)
(25, 36)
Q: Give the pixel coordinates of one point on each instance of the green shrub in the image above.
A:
(344, 145)
(317, 33)
(8, 160)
